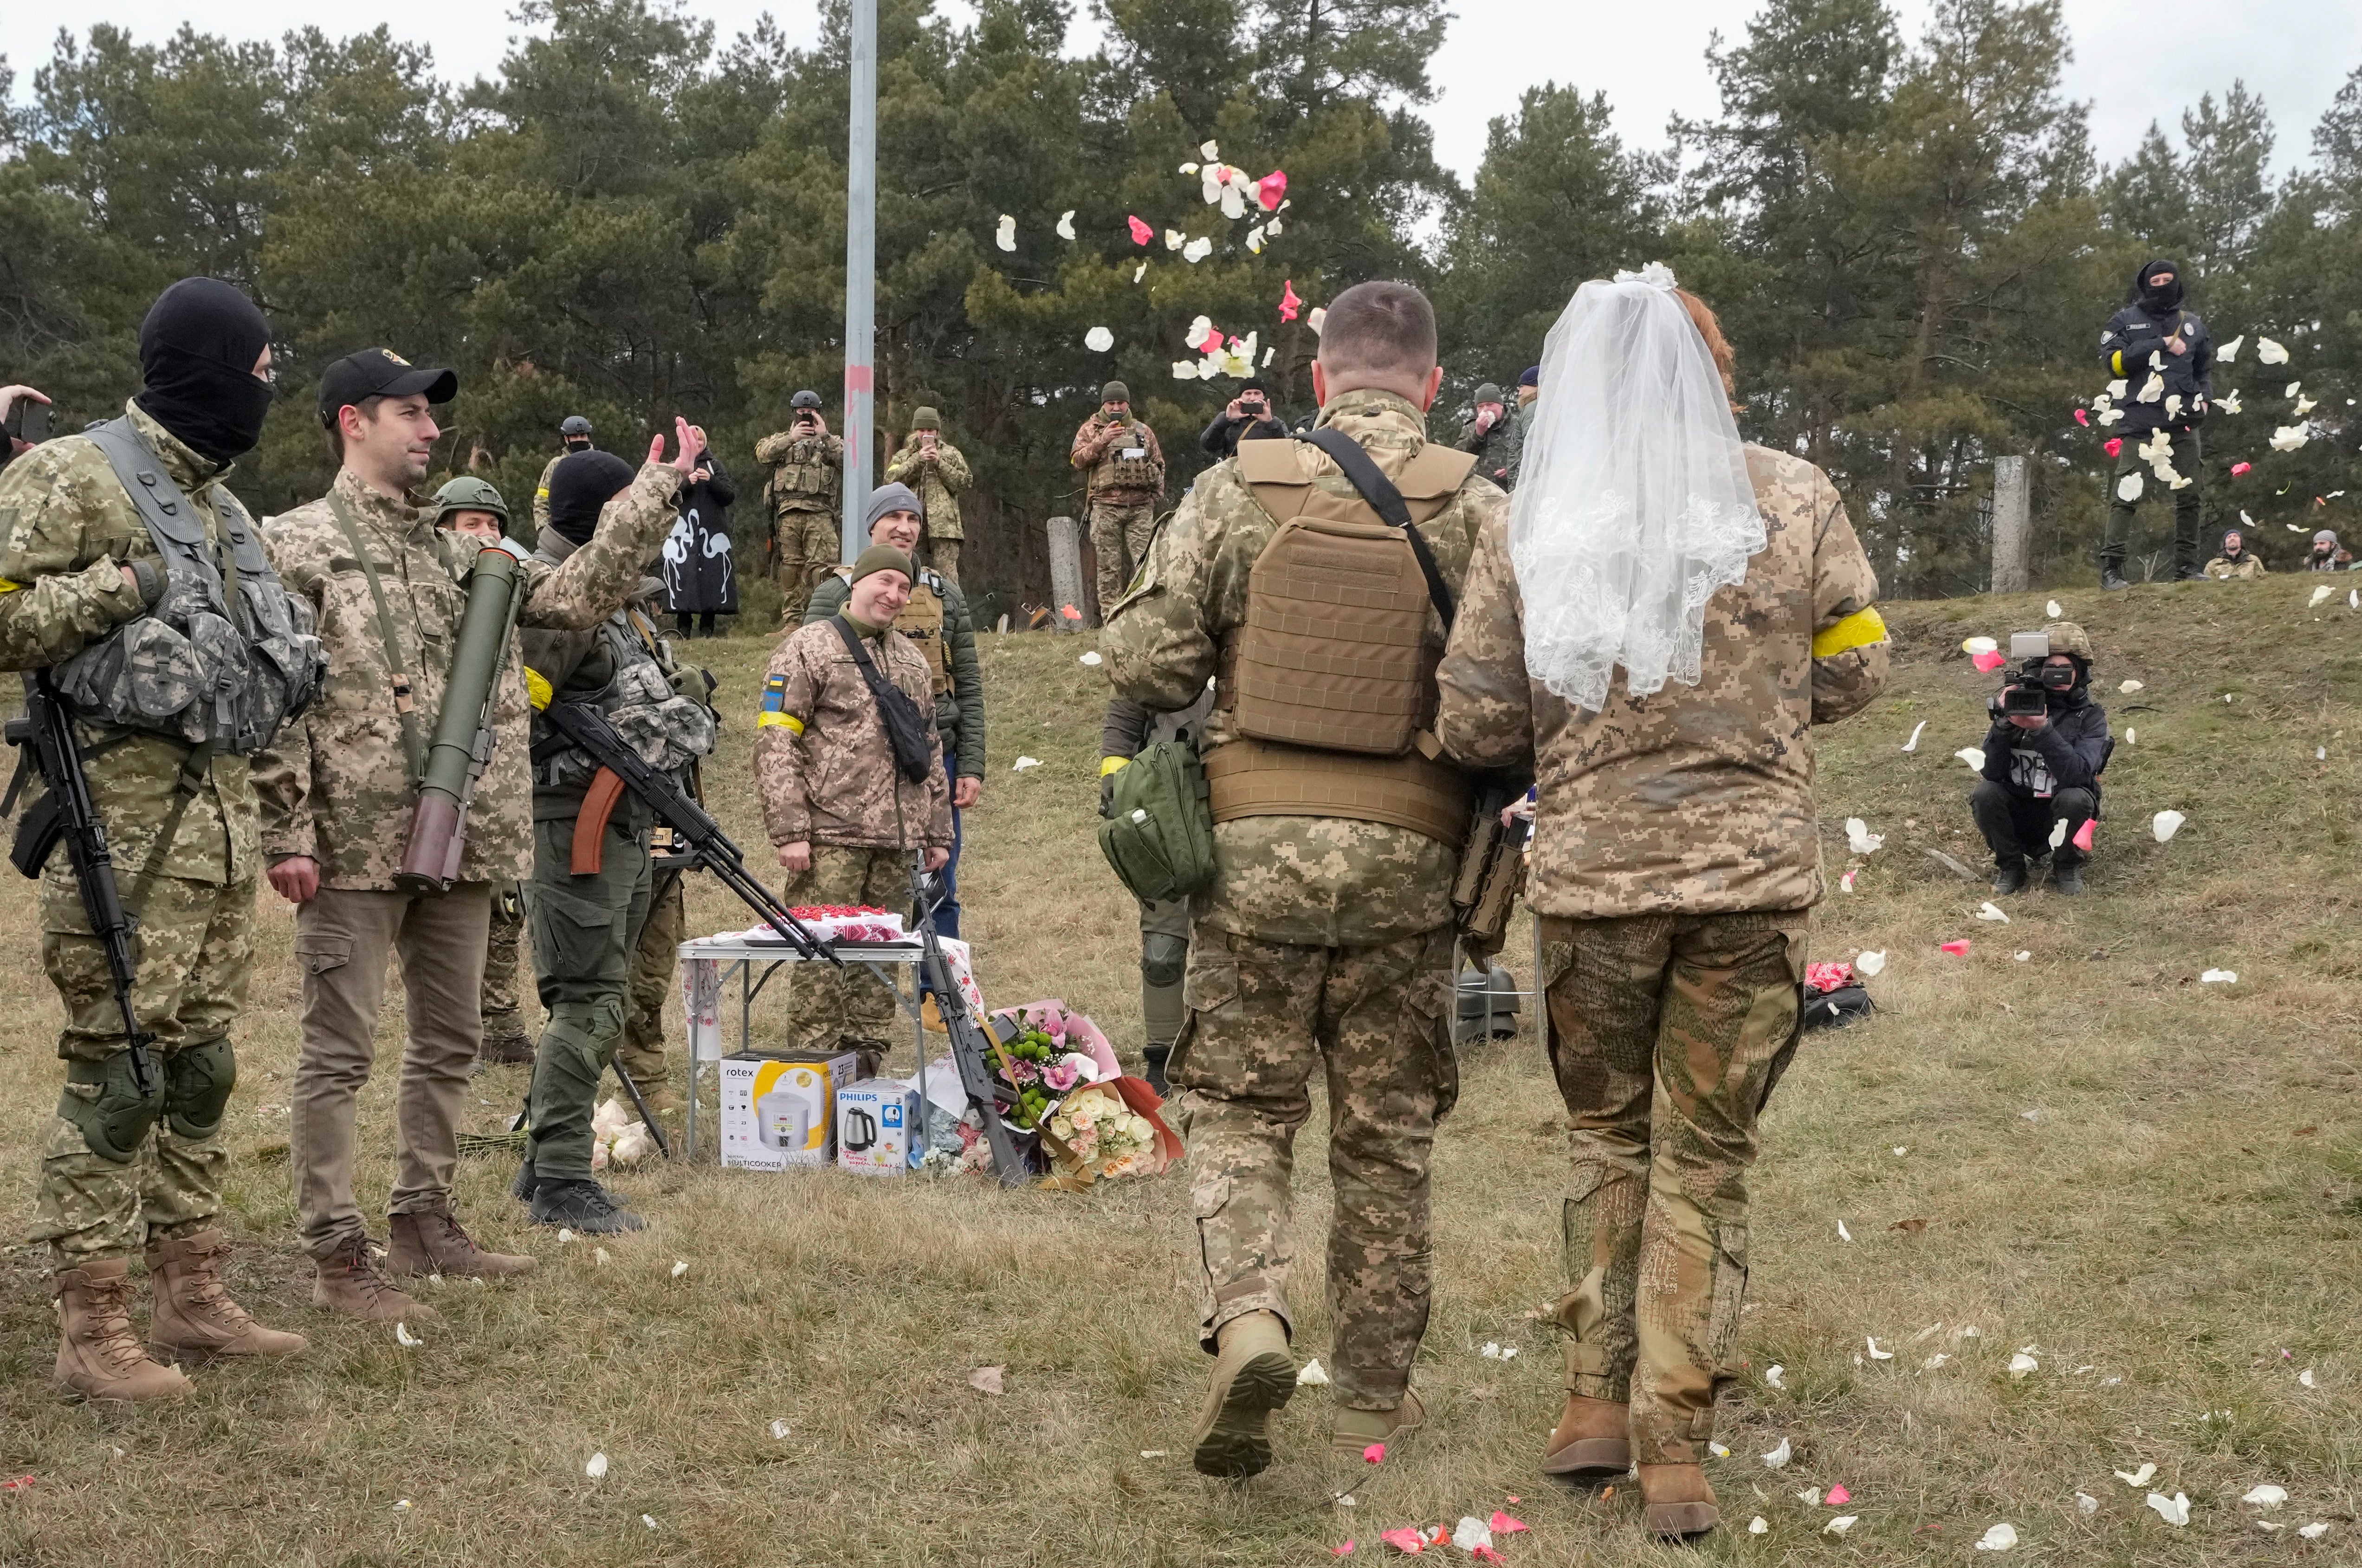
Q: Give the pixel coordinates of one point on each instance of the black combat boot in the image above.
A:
(2112, 579)
(2067, 879)
(1154, 1055)
(2009, 876)
(582, 1206)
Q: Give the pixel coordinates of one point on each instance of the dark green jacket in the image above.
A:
(959, 711)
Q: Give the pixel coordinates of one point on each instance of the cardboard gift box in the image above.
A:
(878, 1127)
(779, 1113)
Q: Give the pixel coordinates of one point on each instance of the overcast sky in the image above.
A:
(2135, 62)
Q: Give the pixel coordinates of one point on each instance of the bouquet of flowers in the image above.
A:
(1822, 978)
(1103, 1136)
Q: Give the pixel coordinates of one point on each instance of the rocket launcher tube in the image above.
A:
(463, 743)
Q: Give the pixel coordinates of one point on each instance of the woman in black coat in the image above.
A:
(700, 578)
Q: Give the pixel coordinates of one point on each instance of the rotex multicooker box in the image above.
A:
(779, 1113)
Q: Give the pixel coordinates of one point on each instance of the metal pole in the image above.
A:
(860, 277)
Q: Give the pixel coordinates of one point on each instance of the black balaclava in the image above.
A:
(2156, 301)
(581, 484)
(197, 349)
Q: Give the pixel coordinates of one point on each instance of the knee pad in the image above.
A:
(1163, 958)
(103, 1101)
(197, 1081)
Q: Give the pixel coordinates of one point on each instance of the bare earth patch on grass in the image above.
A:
(2173, 1228)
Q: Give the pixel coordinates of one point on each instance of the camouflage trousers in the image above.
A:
(1120, 533)
(943, 555)
(804, 545)
(830, 1009)
(1261, 1017)
(504, 1022)
(1666, 1032)
(656, 965)
(193, 953)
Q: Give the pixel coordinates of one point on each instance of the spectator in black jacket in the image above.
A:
(700, 578)
(2162, 363)
(2042, 774)
(1248, 418)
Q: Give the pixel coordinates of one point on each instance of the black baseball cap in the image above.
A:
(380, 372)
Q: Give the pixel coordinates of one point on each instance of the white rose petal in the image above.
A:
(1098, 340)
(2165, 825)
(2130, 735)
(1716, 1450)
(1934, 1362)
(1210, 151)
(2265, 1496)
(2021, 1363)
(2323, 592)
(1234, 207)
(2173, 1510)
(1005, 235)
(1311, 1374)
(403, 1336)
(1867, 965)
(2129, 487)
(649, 1520)
(1066, 224)
(1777, 1456)
(2052, 610)
(2086, 1503)
(1025, 762)
(2270, 353)
(1876, 1354)
(1091, 659)
(2138, 1478)
(1197, 249)
(679, 1268)
(2020, 957)
(598, 1257)
(2229, 351)
(781, 1428)
(1472, 1532)
(1844, 1234)
(1973, 756)
(1757, 1526)
(1913, 744)
(564, 1235)
(2288, 437)
(2229, 402)
(1140, 271)
(1174, 240)
(1810, 1497)
(597, 1467)
(1317, 319)
(1840, 1524)
(2314, 1530)
(1185, 369)
(2001, 1537)
(2305, 1378)
(1858, 837)
(2222, 977)
(1773, 1375)
(1991, 911)
(2152, 389)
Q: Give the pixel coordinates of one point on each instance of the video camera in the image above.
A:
(2028, 696)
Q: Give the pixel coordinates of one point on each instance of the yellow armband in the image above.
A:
(537, 688)
(2117, 360)
(789, 722)
(1114, 764)
(1858, 630)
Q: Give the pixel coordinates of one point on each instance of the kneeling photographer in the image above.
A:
(2043, 759)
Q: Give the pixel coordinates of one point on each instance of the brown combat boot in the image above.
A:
(1681, 1504)
(98, 1355)
(1593, 1437)
(194, 1318)
(1351, 1432)
(431, 1242)
(1253, 1374)
(352, 1280)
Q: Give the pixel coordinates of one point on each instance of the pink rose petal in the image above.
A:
(2083, 834)
(1341, 1551)
(1375, 1454)
(1270, 189)
(2238, 469)
(1504, 1525)
(1838, 1497)
(1406, 1540)
(1486, 1554)
(2082, 418)
(1140, 233)
(1289, 303)
(2114, 445)
(1957, 949)
(1989, 662)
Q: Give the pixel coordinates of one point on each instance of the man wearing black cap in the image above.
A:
(573, 436)
(338, 791)
(124, 1173)
(1248, 418)
(804, 494)
(2163, 362)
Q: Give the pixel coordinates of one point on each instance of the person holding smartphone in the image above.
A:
(1248, 417)
(25, 414)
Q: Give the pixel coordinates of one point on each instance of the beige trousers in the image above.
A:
(343, 938)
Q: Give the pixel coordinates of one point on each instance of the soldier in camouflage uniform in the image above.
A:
(76, 562)
(1124, 478)
(338, 792)
(846, 821)
(1674, 864)
(1324, 943)
(806, 496)
(1494, 435)
(936, 473)
(573, 436)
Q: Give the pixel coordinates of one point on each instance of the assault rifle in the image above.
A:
(696, 836)
(970, 1043)
(46, 738)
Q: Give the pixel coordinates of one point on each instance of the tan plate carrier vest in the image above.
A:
(1329, 681)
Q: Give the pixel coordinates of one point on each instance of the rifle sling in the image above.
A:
(1387, 503)
(405, 707)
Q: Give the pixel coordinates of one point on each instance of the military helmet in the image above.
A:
(2067, 637)
(575, 424)
(468, 493)
(806, 398)
(926, 419)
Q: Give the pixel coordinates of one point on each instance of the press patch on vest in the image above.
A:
(537, 688)
(1858, 630)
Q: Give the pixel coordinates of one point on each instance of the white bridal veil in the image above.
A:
(1633, 503)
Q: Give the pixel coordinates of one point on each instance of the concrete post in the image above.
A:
(2013, 529)
(1065, 572)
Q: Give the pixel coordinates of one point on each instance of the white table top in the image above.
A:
(776, 950)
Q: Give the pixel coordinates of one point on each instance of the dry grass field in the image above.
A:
(2149, 1181)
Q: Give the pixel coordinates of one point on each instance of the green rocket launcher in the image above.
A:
(462, 745)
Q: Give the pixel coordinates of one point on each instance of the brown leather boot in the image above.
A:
(1351, 1432)
(1593, 1437)
(98, 1355)
(1680, 1502)
(1255, 1375)
(352, 1280)
(194, 1318)
(431, 1242)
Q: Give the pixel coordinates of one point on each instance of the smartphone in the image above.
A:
(28, 421)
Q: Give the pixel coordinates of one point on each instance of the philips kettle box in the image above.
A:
(776, 1114)
(878, 1127)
